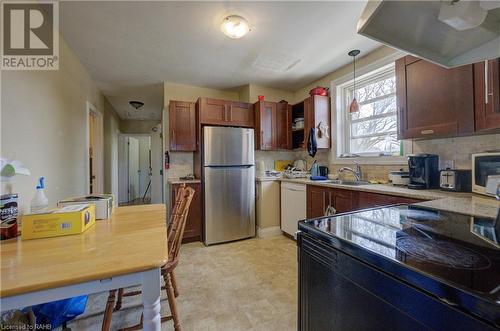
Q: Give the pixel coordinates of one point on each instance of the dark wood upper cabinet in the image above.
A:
(265, 116)
(194, 226)
(227, 113)
(272, 125)
(315, 109)
(433, 101)
(283, 127)
(487, 95)
(182, 126)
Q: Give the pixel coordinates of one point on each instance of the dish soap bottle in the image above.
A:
(40, 201)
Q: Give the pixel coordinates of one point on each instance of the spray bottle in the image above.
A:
(39, 201)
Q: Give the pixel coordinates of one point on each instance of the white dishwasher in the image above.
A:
(293, 206)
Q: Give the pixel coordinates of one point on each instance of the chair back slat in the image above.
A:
(184, 196)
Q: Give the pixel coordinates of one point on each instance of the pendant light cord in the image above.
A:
(354, 93)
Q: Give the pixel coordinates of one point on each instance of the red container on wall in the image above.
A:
(319, 91)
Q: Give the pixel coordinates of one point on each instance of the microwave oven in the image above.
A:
(484, 165)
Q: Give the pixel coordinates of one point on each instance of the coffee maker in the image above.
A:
(424, 171)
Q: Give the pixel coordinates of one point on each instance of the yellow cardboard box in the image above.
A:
(63, 221)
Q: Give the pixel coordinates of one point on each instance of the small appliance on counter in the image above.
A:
(455, 180)
(323, 171)
(484, 165)
(423, 171)
(399, 178)
(103, 204)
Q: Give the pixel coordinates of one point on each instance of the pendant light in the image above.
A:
(354, 107)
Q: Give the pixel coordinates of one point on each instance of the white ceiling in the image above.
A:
(130, 48)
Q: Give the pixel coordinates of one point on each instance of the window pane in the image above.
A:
(378, 107)
(379, 125)
(377, 144)
(376, 89)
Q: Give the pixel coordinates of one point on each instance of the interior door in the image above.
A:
(133, 168)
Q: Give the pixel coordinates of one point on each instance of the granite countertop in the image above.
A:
(179, 181)
(466, 203)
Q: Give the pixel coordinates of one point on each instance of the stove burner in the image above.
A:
(443, 253)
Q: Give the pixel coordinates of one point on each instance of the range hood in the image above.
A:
(448, 33)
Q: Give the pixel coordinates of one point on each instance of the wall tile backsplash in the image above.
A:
(458, 149)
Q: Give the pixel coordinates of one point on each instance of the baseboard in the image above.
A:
(269, 232)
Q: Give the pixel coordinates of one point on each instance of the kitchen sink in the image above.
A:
(348, 182)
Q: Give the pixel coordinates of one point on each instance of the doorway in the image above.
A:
(135, 172)
(94, 151)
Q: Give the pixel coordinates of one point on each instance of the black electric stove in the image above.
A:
(454, 257)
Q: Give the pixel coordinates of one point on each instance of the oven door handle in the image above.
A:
(448, 302)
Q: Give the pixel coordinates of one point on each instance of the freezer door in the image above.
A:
(227, 146)
(229, 203)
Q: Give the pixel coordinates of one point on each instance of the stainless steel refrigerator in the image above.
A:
(229, 184)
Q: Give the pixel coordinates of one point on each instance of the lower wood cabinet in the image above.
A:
(319, 198)
(194, 225)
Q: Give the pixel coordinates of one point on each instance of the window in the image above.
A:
(373, 130)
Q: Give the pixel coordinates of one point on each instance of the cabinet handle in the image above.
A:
(427, 132)
(486, 69)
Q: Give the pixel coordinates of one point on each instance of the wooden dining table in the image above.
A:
(126, 250)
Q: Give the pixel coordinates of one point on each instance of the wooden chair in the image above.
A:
(177, 225)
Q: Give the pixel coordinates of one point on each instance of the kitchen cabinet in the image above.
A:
(267, 206)
(371, 200)
(487, 95)
(343, 200)
(272, 125)
(319, 198)
(182, 126)
(226, 113)
(315, 110)
(193, 230)
(433, 101)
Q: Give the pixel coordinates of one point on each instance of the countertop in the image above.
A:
(466, 203)
(180, 181)
(103, 251)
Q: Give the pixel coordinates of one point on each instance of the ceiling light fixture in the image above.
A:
(235, 26)
(354, 107)
(136, 104)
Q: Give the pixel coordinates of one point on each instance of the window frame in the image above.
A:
(338, 122)
(348, 91)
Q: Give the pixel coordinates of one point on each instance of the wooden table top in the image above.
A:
(133, 240)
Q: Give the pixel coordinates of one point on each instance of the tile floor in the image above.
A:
(245, 285)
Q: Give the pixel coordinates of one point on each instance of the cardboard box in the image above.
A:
(64, 221)
(103, 204)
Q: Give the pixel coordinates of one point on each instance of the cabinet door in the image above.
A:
(487, 95)
(370, 200)
(320, 114)
(182, 126)
(193, 229)
(239, 114)
(213, 111)
(342, 200)
(265, 118)
(433, 101)
(283, 126)
(317, 201)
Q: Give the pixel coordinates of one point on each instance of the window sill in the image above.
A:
(375, 160)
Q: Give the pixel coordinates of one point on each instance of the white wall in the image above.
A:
(144, 147)
(43, 124)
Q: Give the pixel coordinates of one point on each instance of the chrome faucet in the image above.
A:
(357, 173)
